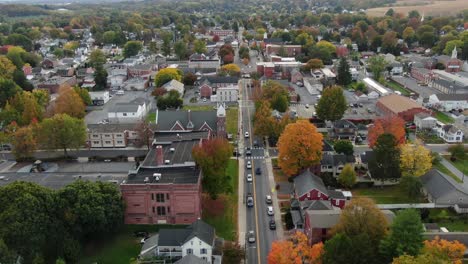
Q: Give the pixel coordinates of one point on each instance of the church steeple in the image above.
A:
(454, 53)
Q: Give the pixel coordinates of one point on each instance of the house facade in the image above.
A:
(226, 94)
(99, 97)
(447, 102)
(401, 106)
(450, 133)
(424, 121)
(130, 112)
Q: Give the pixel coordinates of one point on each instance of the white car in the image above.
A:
(249, 177)
(270, 210)
(249, 164)
(306, 105)
(268, 199)
(120, 92)
(246, 134)
(204, 99)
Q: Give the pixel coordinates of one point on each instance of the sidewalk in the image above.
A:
(272, 184)
(455, 171)
(241, 210)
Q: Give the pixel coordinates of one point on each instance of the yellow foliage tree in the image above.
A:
(415, 160)
(69, 102)
(231, 69)
(6, 67)
(300, 146)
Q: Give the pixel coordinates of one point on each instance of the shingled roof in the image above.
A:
(166, 120)
(307, 181)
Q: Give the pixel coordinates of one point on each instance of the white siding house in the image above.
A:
(226, 94)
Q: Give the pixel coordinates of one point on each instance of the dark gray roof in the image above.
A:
(337, 159)
(177, 237)
(191, 259)
(327, 146)
(113, 128)
(443, 189)
(450, 85)
(336, 194)
(343, 123)
(316, 205)
(173, 175)
(452, 97)
(165, 120)
(307, 181)
(174, 136)
(219, 79)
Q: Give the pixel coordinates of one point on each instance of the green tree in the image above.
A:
(84, 94)
(341, 249)
(166, 46)
(332, 105)
(199, 46)
(344, 74)
(457, 151)
(385, 161)
(24, 143)
(19, 40)
(100, 77)
(6, 255)
(108, 37)
(59, 53)
(412, 186)
(213, 157)
(153, 47)
(165, 75)
(450, 45)
(180, 49)
(277, 95)
(347, 177)
(8, 89)
(97, 58)
(62, 132)
(6, 67)
(169, 100)
(132, 48)
(344, 147)
(377, 65)
(314, 64)
(405, 236)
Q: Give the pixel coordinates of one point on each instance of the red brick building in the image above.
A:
(422, 74)
(401, 106)
(290, 50)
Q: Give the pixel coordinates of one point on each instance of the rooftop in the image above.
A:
(58, 180)
(397, 103)
(167, 175)
(176, 152)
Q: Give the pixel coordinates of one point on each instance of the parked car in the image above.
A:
(272, 224)
(249, 177)
(307, 106)
(251, 236)
(249, 164)
(268, 199)
(246, 134)
(270, 210)
(120, 92)
(250, 200)
(248, 152)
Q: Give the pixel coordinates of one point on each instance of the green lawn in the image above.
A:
(397, 87)
(384, 195)
(232, 119)
(222, 213)
(198, 107)
(151, 117)
(444, 169)
(449, 219)
(442, 117)
(119, 249)
(461, 165)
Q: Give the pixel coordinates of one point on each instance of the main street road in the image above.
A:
(257, 218)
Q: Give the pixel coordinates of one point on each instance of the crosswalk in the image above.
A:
(254, 157)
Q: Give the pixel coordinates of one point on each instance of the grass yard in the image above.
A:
(442, 117)
(232, 118)
(385, 195)
(198, 107)
(444, 169)
(461, 165)
(222, 212)
(449, 219)
(151, 117)
(397, 87)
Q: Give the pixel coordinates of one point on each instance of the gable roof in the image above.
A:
(336, 159)
(443, 189)
(219, 79)
(452, 97)
(343, 123)
(165, 120)
(307, 181)
(178, 237)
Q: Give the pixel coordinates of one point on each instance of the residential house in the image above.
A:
(450, 133)
(49, 63)
(344, 129)
(296, 76)
(334, 163)
(226, 94)
(289, 50)
(424, 121)
(448, 102)
(65, 71)
(135, 84)
(397, 68)
(203, 61)
(54, 84)
(312, 85)
(441, 189)
(174, 85)
(112, 135)
(145, 71)
(218, 81)
(196, 242)
(401, 106)
(205, 91)
(99, 97)
(130, 112)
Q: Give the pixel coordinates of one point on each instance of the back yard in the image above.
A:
(385, 195)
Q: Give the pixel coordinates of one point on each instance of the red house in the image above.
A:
(206, 91)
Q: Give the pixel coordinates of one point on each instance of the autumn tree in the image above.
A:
(347, 177)
(332, 105)
(300, 146)
(391, 125)
(295, 250)
(212, 156)
(165, 75)
(344, 147)
(276, 94)
(377, 65)
(145, 134)
(405, 237)
(314, 64)
(69, 102)
(385, 161)
(24, 143)
(231, 69)
(415, 160)
(263, 119)
(233, 253)
(344, 73)
(62, 132)
(84, 94)
(189, 79)
(97, 58)
(450, 251)
(6, 67)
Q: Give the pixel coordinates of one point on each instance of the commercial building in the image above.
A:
(401, 106)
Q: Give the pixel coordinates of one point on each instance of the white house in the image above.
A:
(135, 84)
(198, 239)
(174, 85)
(354, 74)
(397, 68)
(226, 94)
(99, 97)
(447, 102)
(450, 134)
(130, 112)
(424, 121)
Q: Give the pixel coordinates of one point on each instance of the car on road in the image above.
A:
(250, 200)
(204, 100)
(251, 236)
(255, 143)
(268, 199)
(319, 96)
(272, 224)
(248, 152)
(258, 171)
(120, 92)
(307, 106)
(249, 164)
(249, 177)
(246, 134)
(270, 210)
(300, 84)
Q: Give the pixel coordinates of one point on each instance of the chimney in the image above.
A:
(159, 155)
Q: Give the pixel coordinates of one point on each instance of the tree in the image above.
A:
(415, 160)
(457, 151)
(229, 58)
(314, 64)
(169, 100)
(385, 161)
(405, 235)
(166, 46)
(24, 143)
(450, 251)
(412, 186)
(97, 58)
(84, 95)
(341, 249)
(231, 69)
(213, 157)
(180, 49)
(132, 48)
(332, 105)
(263, 119)
(145, 134)
(347, 177)
(409, 34)
(295, 250)
(232, 253)
(344, 74)
(451, 45)
(390, 12)
(27, 108)
(59, 53)
(327, 45)
(377, 65)
(6, 68)
(6, 255)
(199, 46)
(277, 95)
(62, 132)
(189, 79)
(153, 47)
(19, 40)
(300, 146)
(165, 75)
(344, 147)
(8, 89)
(390, 124)
(69, 102)
(100, 77)
(15, 56)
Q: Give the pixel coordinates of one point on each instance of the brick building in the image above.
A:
(54, 84)
(401, 106)
(289, 50)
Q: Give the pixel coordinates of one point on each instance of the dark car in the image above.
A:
(143, 234)
(258, 171)
(272, 224)
(250, 200)
(255, 143)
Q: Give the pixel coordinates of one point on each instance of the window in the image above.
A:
(167, 196)
(189, 251)
(199, 243)
(96, 142)
(119, 141)
(168, 209)
(107, 135)
(160, 197)
(107, 142)
(203, 250)
(124, 114)
(95, 136)
(153, 210)
(152, 196)
(161, 210)
(118, 135)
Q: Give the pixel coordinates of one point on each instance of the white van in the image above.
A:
(120, 92)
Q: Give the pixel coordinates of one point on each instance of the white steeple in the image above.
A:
(221, 112)
(454, 53)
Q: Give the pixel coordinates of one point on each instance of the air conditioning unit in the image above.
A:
(146, 179)
(172, 149)
(167, 162)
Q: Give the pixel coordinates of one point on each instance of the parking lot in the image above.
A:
(412, 84)
(100, 113)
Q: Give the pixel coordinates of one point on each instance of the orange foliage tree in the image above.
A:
(453, 250)
(391, 124)
(300, 146)
(69, 102)
(295, 251)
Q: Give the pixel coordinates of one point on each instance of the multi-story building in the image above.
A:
(226, 94)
